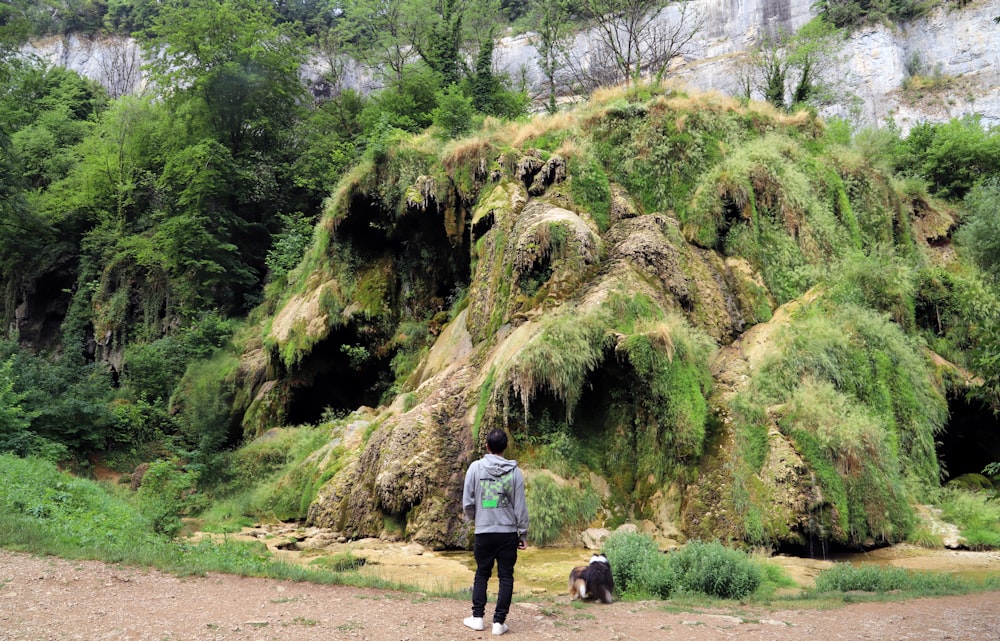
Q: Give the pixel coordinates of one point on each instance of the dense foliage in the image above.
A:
(150, 237)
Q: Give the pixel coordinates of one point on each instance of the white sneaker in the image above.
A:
(499, 628)
(476, 623)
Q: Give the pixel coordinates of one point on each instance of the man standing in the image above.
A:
(494, 499)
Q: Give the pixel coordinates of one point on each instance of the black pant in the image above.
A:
(502, 548)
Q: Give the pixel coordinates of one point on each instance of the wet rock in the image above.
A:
(594, 538)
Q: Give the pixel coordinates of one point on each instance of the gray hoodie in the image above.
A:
(494, 496)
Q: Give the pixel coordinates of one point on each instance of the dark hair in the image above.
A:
(496, 441)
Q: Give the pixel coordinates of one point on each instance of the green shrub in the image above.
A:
(980, 231)
(554, 507)
(454, 113)
(715, 570)
(167, 492)
(638, 566)
(953, 156)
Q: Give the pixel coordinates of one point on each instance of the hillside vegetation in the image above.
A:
(713, 317)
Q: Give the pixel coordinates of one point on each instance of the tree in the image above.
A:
(442, 47)
(552, 40)
(798, 59)
(120, 66)
(489, 91)
(636, 37)
(233, 56)
(381, 34)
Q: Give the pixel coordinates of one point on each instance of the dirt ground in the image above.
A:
(45, 599)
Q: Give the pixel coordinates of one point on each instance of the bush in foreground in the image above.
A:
(640, 569)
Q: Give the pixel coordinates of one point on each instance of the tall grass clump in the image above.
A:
(869, 359)
(554, 507)
(274, 477)
(670, 359)
(558, 358)
(859, 402)
(845, 577)
(659, 148)
(45, 510)
(879, 280)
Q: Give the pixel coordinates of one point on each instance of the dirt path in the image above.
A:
(45, 599)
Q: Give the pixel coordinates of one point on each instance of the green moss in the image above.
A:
(590, 188)
(558, 358)
(485, 394)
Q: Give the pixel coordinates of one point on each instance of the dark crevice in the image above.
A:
(352, 366)
(341, 374)
(970, 440)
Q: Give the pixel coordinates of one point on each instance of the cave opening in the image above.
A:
(970, 439)
(352, 366)
(340, 374)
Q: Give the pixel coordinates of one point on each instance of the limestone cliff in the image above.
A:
(868, 70)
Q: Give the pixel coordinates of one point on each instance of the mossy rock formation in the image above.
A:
(651, 294)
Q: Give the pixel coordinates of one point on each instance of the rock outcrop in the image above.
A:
(644, 340)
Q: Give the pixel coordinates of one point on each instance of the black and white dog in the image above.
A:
(592, 581)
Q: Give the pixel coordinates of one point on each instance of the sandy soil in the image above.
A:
(45, 599)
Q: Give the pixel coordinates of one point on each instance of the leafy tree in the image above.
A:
(289, 245)
(65, 401)
(453, 115)
(152, 370)
(552, 40)
(781, 59)
(952, 156)
(406, 105)
(15, 423)
(380, 33)
(15, 28)
(130, 16)
(442, 47)
(329, 143)
(855, 13)
(233, 56)
(489, 94)
(314, 15)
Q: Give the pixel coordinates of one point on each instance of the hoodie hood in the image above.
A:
(497, 465)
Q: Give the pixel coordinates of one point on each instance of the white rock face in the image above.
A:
(113, 62)
(961, 46)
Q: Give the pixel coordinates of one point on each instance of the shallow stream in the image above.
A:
(544, 571)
